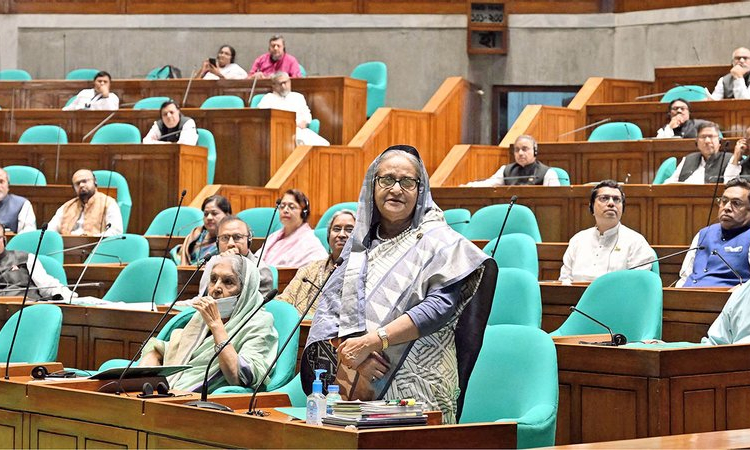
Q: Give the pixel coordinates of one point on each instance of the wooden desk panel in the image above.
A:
(668, 77)
(46, 199)
(716, 439)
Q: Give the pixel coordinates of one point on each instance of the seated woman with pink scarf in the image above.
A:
(295, 245)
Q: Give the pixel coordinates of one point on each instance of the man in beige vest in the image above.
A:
(89, 212)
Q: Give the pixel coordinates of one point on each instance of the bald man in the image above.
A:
(89, 212)
(735, 83)
(16, 213)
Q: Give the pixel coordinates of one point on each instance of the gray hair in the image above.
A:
(278, 75)
(235, 261)
(388, 154)
(335, 215)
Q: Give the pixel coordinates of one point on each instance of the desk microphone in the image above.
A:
(38, 288)
(166, 250)
(107, 255)
(270, 224)
(585, 127)
(90, 244)
(456, 223)
(719, 178)
(507, 214)
(106, 119)
(726, 263)
(87, 264)
(700, 247)
(616, 339)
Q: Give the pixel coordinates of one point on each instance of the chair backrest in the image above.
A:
(54, 268)
(27, 242)
(38, 335)
(43, 134)
(150, 103)
(517, 300)
(81, 74)
(376, 75)
(106, 178)
(616, 131)
(178, 321)
(302, 71)
(25, 175)
(515, 250)
(137, 280)
(655, 264)
(293, 390)
(285, 317)
(666, 169)
(71, 100)
(691, 93)
(223, 101)
(206, 139)
(458, 219)
(628, 301)
(486, 223)
(255, 100)
(188, 219)
(117, 133)
(516, 371)
(14, 75)
(258, 219)
(562, 175)
(322, 226)
(115, 249)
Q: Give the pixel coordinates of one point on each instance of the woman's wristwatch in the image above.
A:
(383, 337)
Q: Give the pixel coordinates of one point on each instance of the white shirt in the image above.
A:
(732, 171)
(231, 71)
(188, 134)
(112, 215)
(294, 102)
(91, 100)
(26, 218)
(550, 179)
(48, 284)
(590, 254)
(739, 89)
(687, 264)
(733, 324)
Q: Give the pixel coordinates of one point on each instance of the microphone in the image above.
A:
(252, 91)
(36, 288)
(454, 223)
(166, 250)
(307, 280)
(719, 178)
(106, 255)
(627, 178)
(189, 225)
(700, 247)
(106, 119)
(617, 339)
(86, 266)
(251, 409)
(109, 184)
(203, 402)
(510, 206)
(586, 127)
(726, 263)
(57, 156)
(23, 302)
(190, 83)
(90, 244)
(270, 224)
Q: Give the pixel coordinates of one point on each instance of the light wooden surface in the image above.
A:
(716, 439)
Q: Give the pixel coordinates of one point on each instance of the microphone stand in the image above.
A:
(270, 224)
(166, 250)
(617, 339)
(507, 214)
(82, 246)
(700, 247)
(736, 274)
(86, 266)
(719, 178)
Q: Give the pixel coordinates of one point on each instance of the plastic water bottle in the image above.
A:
(332, 397)
(316, 402)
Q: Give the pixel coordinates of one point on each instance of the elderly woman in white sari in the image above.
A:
(408, 306)
(232, 296)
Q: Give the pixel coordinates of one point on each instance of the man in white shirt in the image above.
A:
(89, 212)
(733, 324)
(173, 127)
(735, 83)
(16, 213)
(608, 246)
(99, 98)
(708, 164)
(526, 170)
(284, 99)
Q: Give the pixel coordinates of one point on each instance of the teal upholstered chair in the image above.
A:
(255, 100)
(515, 380)
(43, 134)
(150, 102)
(616, 131)
(137, 280)
(376, 75)
(14, 75)
(274, 277)
(486, 223)
(666, 169)
(258, 219)
(71, 100)
(27, 242)
(518, 299)
(38, 335)
(188, 219)
(302, 71)
(223, 101)
(117, 133)
(114, 249)
(25, 175)
(458, 219)
(82, 74)
(562, 175)
(628, 301)
(515, 250)
(691, 93)
(53, 268)
(314, 123)
(322, 227)
(105, 178)
(206, 139)
(655, 264)
(293, 389)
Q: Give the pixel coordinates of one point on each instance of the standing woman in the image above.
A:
(201, 241)
(409, 305)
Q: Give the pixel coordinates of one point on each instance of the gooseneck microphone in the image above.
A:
(106, 119)
(270, 224)
(700, 247)
(251, 408)
(729, 266)
(617, 339)
(88, 263)
(166, 249)
(458, 223)
(507, 214)
(719, 178)
(90, 244)
(203, 402)
(23, 302)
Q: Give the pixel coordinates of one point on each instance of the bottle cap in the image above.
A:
(333, 388)
(317, 386)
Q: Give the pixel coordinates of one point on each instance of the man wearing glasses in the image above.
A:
(708, 164)
(735, 83)
(608, 246)
(722, 259)
(680, 124)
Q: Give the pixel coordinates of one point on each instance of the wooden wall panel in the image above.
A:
(185, 7)
(11, 430)
(668, 77)
(302, 6)
(55, 432)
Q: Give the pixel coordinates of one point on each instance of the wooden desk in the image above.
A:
(716, 439)
(668, 77)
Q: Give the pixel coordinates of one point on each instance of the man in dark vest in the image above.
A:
(708, 164)
(16, 213)
(736, 83)
(526, 169)
(172, 128)
(680, 124)
(724, 245)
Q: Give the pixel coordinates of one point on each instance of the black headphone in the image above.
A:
(536, 146)
(595, 191)
(306, 210)
(619, 339)
(162, 390)
(41, 372)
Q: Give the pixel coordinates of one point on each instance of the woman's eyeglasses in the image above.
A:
(406, 183)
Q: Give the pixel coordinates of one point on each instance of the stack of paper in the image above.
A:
(375, 414)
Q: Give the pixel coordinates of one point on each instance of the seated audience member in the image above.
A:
(295, 244)
(172, 127)
(201, 242)
(284, 99)
(16, 213)
(526, 170)
(15, 268)
(232, 296)
(89, 212)
(298, 292)
(276, 60)
(733, 324)
(707, 164)
(608, 246)
(680, 124)
(740, 149)
(225, 67)
(735, 83)
(725, 244)
(98, 98)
